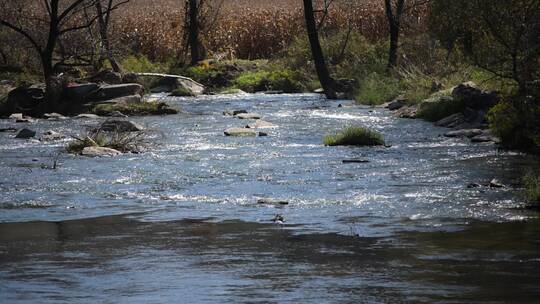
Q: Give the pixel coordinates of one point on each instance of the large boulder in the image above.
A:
(29, 100)
(25, 134)
(396, 104)
(108, 92)
(99, 152)
(473, 97)
(170, 83)
(115, 125)
(451, 121)
(78, 92)
(464, 133)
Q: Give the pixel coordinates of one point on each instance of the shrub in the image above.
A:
(134, 109)
(531, 182)
(285, 80)
(377, 89)
(252, 81)
(517, 124)
(135, 142)
(355, 136)
(509, 47)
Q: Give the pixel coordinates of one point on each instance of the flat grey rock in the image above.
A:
(240, 132)
(99, 152)
(248, 116)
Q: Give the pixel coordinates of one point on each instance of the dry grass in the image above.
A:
(135, 142)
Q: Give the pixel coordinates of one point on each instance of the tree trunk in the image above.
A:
(103, 32)
(193, 13)
(394, 23)
(320, 65)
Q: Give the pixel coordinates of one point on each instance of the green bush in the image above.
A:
(252, 81)
(531, 182)
(355, 136)
(263, 80)
(517, 124)
(437, 110)
(285, 80)
(377, 89)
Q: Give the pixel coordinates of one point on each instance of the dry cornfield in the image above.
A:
(245, 29)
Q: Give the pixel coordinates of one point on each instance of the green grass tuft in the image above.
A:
(355, 136)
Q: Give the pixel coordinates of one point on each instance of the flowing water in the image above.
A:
(181, 223)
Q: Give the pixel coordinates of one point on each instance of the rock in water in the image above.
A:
(464, 133)
(396, 104)
(16, 116)
(99, 151)
(495, 183)
(270, 201)
(231, 112)
(240, 132)
(25, 134)
(51, 135)
(87, 116)
(54, 116)
(353, 161)
(121, 126)
(248, 116)
(261, 124)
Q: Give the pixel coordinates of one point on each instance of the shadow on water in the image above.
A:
(124, 259)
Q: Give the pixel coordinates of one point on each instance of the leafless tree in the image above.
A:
(59, 18)
(326, 80)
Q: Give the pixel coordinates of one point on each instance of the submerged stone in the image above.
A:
(261, 124)
(464, 133)
(271, 201)
(248, 116)
(99, 151)
(240, 132)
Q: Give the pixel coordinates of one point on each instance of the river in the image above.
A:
(180, 223)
